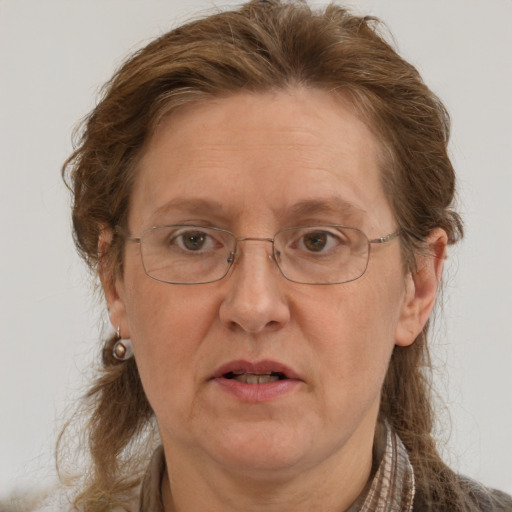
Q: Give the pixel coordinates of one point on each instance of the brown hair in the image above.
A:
(261, 46)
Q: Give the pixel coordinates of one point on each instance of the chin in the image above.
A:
(264, 451)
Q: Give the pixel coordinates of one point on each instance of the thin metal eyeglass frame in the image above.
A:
(380, 240)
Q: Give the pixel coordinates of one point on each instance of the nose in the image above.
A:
(254, 301)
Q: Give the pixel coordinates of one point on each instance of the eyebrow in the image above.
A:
(189, 205)
(299, 210)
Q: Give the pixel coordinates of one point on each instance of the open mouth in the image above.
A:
(258, 372)
(255, 378)
(257, 381)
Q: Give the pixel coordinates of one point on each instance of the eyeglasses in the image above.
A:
(186, 254)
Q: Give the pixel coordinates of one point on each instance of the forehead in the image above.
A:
(298, 152)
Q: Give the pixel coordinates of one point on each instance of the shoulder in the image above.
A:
(467, 495)
(55, 501)
(485, 499)
(64, 506)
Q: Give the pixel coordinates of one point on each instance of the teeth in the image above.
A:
(241, 372)
(251, 378)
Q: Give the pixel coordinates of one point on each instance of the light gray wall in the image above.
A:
(54, 56)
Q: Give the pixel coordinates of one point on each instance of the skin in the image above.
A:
(251, 158)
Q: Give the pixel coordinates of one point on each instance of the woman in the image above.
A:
(267, 198)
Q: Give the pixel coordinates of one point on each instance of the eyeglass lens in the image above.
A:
(185, 254)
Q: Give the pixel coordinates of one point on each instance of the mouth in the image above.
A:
(255, 378)
(261, 372)
(259, 382)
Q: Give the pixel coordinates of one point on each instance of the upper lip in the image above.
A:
(255, 368)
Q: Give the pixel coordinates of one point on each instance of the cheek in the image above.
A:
(353, 334)
(160, 314)
(167, 325)
(362, 312)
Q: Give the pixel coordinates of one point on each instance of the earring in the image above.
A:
(122, 349)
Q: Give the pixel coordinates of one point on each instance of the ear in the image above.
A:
(112, 284)
(421, 289)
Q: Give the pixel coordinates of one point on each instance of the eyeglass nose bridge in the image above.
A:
(254, 239)
(234, 252)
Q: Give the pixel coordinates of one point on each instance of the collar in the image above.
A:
(391, 488)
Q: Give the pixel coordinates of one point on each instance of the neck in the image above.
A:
(331, 486)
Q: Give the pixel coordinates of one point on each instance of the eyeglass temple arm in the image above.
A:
(387, 238)
(121, 232)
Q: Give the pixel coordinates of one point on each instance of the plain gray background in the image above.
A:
(55, 55)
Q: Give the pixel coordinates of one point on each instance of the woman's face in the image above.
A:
(254, 164)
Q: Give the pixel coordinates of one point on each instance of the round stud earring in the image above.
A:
(122, 349)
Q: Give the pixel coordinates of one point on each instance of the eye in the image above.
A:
(319, 241)
(194, 240)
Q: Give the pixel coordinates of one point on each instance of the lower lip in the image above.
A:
(257, 392)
